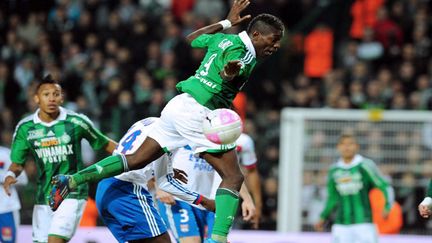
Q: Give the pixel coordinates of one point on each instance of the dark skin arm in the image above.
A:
(233, 16)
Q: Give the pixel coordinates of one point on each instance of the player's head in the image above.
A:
(347, 145)
(48, 95)
(266, 32)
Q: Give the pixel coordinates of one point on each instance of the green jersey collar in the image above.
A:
(356, 160)
(62, 116)
(244, 37)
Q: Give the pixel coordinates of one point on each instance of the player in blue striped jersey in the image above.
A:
(124, 201)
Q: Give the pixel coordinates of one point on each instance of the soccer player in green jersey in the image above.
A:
(348, 184)
(52, 135)
(226, 67)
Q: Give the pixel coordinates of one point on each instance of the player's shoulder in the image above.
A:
(333, 167)
(367, 163)
(227, 41)
(27, 120)
(77, 118)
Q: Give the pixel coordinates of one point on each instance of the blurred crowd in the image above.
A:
(119, 61)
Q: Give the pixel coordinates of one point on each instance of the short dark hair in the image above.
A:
(262, 23)
(48, 79)
(345, 135)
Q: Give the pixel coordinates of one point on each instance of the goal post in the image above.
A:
(307, 145)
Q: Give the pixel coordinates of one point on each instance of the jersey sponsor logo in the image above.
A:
(2, 164)
(35, 134)
(348, 183)
(46, 142)
(184, 227)
(55, 154)
(200, 164)
(206, 82)
(224, 44)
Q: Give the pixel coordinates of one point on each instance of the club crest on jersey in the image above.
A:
(6, 233)
(35, 134)
(65, 138)
(224, 44)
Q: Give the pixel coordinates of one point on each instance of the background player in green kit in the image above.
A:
(348, 185)
(52, 135)
(226, 67)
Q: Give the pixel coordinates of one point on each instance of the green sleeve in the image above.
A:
(429, 190)
(202, 41)
(374, 176)
(95, 137)
(237, 52)
(332, 198)
(20, 146)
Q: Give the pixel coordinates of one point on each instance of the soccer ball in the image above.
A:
(222, 126)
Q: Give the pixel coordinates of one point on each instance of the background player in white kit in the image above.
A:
(124, 201)
(9, 205)
(190, 224)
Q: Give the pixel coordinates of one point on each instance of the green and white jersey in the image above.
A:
(348, 187)
(207, 86)
(55, 147)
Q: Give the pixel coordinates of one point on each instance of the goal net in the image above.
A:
(400, 142)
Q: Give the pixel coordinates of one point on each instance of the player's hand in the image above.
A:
(208, 204)
(234, 14)
(231, 69)
(424, 211)
(319, 226)
(165, 197)
(256, 219)
(9, 180)
(180, 175)
(248, 210)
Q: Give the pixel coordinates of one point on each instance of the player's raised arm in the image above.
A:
(232, 19)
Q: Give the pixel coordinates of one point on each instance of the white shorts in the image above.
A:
(180, 124)
(355, 233)
(61, 223)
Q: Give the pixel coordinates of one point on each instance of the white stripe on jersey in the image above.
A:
(170, 216)
(147, 211)
(247, 58)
